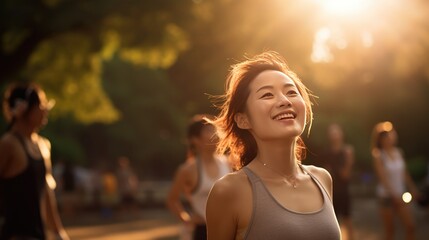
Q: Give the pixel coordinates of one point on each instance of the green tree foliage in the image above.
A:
(152, 126)
(62, 45)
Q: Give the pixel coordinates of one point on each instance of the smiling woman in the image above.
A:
(272, 195)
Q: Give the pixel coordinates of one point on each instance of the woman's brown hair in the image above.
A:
(239, 143)
(379, 132)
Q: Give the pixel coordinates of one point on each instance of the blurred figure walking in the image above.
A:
(393, 179)
(338, 159)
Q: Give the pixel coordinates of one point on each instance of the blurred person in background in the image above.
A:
(109, 192)
(69, 190)
(272, 196)
(196, 176)
(127, 184)
(26, 181)
(338, 159)
(424, 199)
(393, 179)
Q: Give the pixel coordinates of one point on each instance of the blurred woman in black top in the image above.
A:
(25, 167)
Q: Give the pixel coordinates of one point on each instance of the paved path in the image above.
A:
(158, 224)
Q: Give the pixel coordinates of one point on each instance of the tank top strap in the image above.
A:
(319, 184)
(383, 156)
(199, 166)
(252, 177)
(22, 142)
(20, 139)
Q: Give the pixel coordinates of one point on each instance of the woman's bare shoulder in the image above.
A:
(230, 184)
(349, 149)
(376, 153)
(316, 170)
(43, 140)
(8, 141)
(9, 146)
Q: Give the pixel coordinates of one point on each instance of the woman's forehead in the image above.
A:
(271, 78)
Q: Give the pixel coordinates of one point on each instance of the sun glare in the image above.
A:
(321, 51)
(339, 15)
(343, 7)
(325, 40)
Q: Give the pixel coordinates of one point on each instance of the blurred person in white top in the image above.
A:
(393, 179)
(195, 178)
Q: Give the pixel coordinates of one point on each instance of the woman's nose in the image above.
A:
(284, 101)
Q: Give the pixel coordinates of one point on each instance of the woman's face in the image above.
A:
(207, 139)
(335, 133)
(38, 114)
(389, 140)
(275, 108)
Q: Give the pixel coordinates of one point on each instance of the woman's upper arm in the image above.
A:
(178, 187)
(220, 213)
(350, 154)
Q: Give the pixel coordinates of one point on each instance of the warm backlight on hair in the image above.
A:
(407, 197)
(387, 126)
(384, 127)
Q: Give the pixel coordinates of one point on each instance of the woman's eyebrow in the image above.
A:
(271, 87)
(265, 87)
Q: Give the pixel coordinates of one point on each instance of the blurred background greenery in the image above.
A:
(127, 74)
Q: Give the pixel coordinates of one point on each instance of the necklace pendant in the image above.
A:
(294, 185)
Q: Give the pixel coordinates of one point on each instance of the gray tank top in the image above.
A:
(270, 220)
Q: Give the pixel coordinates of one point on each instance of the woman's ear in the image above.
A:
(242, 120)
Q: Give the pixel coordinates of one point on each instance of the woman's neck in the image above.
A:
(336, 146)
(23, 129)
(278, 155)
(205, 156)
(388, 148)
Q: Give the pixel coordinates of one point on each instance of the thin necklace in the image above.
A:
(288, 179)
